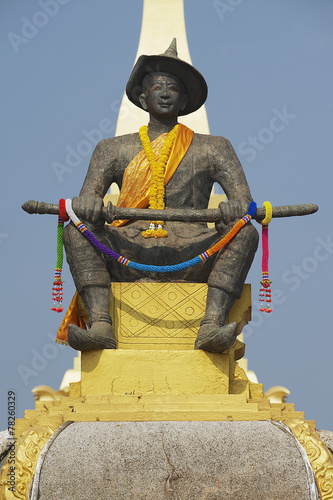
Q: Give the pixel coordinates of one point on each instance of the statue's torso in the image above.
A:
(191, 184)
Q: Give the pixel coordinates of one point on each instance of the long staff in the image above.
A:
(111, 212)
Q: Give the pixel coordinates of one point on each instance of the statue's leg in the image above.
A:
(225, 285)
(92, 281)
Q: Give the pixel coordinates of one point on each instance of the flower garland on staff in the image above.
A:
(157, 173)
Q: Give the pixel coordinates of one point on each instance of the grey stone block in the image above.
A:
(173, 460)
(327, 438)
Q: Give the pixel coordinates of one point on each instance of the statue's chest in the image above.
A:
(192, 170)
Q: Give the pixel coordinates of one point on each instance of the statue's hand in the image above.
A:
(231, 211)
(88, 208)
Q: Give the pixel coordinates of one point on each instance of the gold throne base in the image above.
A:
(155, 374)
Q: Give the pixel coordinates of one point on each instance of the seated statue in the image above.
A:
(164, 166)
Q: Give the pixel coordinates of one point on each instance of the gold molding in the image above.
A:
(319, 456)
(27, 451)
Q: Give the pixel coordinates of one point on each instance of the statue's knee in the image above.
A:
(68, 235)
(253, 233)
(248, 237)
(73, 240)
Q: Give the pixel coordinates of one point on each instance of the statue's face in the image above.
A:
(164, 96)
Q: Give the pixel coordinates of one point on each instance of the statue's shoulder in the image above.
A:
(213, 142)
(114, 142)
(212, 139)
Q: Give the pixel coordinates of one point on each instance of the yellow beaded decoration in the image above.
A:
(269, 213)
(157, 172)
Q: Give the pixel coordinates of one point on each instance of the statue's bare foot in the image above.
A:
(99, 336)
(216, 338)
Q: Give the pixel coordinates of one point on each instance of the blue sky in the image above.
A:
(269, 74)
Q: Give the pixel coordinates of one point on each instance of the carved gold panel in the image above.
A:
(26, 454)
(320, 458)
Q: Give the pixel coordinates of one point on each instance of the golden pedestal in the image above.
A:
(155, 374)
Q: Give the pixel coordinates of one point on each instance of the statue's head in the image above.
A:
(163, 95)
(175, 75)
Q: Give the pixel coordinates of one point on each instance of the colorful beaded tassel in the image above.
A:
(57, 295)
(265, 290)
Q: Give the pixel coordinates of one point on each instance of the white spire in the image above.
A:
(161, 22)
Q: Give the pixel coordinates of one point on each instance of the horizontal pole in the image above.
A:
(206, 215)
(111, 212)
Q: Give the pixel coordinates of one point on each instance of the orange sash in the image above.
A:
(135, 187)
(134, 193)
(75, 315)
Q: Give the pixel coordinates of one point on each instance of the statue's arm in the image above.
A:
(229, 174)
(101, 171)
(100, 175)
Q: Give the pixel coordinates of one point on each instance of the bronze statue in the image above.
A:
(165, 87)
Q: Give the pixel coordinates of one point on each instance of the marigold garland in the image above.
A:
(157, 173)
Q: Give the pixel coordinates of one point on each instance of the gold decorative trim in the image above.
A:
(319, 456)
(27, 451)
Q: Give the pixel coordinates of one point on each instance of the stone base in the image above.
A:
(187, 460)
(252, 460)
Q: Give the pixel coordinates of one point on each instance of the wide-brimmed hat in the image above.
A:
(169, 62)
